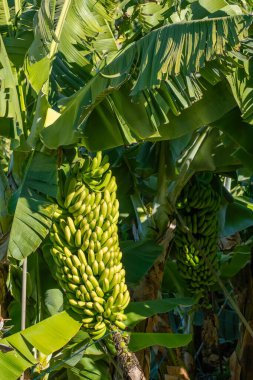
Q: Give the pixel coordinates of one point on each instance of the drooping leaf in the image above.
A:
(138, 311)
(53, 333)
(47, 336)
(17, 47)
(6, 24)
(239, 132)
(237, 218)
(89, 369)
(138, 257)
(12, 365)
(157, 63)
(5, 193)
(241, 82)
(213, 8)
(32, 218)
(77, 35)
(210, 108)
(173, 281)
(9, 98)
(233, 262)
(139, 341)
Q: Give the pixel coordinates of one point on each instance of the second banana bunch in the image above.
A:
(196, 234)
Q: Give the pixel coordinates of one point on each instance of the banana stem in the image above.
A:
(23, 301)
(127, 360)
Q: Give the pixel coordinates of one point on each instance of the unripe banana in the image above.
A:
(56, 237)
(105, 274)
(75, 260)
(76, 206)
(99, 333)
(93, 280)
(69, 263)
(82, 257)
(90, 312)
(111, 186)
(120, 324)
(103, 209)
(107, 196)
(99, 291)
(98, 307)
(78, 238)
(99, 300)
(101, 267)
(91, 256)
(67, 252)
(95, 267)
(88, 320)
(105, 285)
(100, 221)
(72, 287)
(89, 285)
(69, 199)
(119, 299)
(71, 225)
(99, 325)
(67, 234)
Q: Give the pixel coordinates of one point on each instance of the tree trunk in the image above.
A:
(3, 289)
(149, 289)
(241, 364)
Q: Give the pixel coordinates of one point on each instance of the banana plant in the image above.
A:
(102, 75)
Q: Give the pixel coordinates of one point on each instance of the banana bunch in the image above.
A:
(85, 245)
(197, 232)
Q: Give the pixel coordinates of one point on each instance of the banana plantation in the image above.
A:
(126, 189)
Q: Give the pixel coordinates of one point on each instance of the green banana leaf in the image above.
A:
(5, 193)
(5, 18)
(149, 72)
(233, 262)
(241, 83)
(90, 369)
(10, 105)
(34, 210)
(82, 39)
(237, 217)
(47, 336)
(139, 341)
(213, 8)
(138, 311)
(138, 258)
(43, 296)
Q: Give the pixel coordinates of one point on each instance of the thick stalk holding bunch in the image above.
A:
(197, 232)
(85, 245)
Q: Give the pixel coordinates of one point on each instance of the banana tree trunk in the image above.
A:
(3, 290)
(5, 226)
(241, 364)
(149, 289)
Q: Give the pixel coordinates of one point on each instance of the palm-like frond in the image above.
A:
(188, 46)
(6, 25)
(241, 82)
(47, 336)
(78, 35)
(10, 110)
(217, 8)
(34, 210)
(169, 56)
